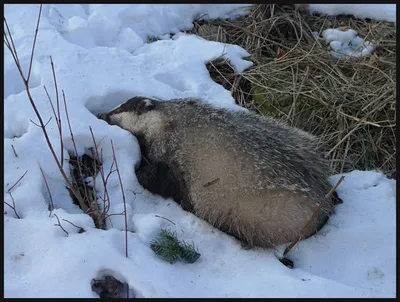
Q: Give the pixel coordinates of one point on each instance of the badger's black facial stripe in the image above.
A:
(136, 104)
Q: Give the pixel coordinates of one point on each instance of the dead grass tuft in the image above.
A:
(348, 103)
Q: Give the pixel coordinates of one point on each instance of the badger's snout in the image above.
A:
(103, 116)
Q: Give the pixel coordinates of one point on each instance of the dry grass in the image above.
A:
(349, 104)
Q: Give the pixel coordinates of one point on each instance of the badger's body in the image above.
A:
(252, 177)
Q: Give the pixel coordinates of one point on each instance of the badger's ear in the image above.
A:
(144, 105)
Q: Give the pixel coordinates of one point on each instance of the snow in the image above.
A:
(101, 59)
(346, 43)
(379, 12)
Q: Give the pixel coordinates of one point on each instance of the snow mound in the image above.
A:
(346, 43)
(379, 12)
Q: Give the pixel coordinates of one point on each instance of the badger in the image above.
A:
(250, 176)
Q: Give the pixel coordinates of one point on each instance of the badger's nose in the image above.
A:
(101, 116)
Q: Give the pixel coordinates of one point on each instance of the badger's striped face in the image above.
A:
(127, 115)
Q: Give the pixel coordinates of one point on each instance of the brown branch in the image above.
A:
(76, 193)
(40, 125)
(115, 214)
(51, 103)
(165, 219)
(81, 230)
(12, 206)
(34, 43)
(104, 179)
(123, 198)
(86, 197)
(287, 250)
(210, 183)
(59, 224)
(15, 153)
(13, 50)
(58, 120)
(51, 205)
(58, 112)
(12, 187)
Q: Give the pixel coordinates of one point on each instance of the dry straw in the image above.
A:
(348, 103)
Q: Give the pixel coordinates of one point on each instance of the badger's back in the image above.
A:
(250, 176)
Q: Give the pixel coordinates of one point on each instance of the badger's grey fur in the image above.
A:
(250, 176)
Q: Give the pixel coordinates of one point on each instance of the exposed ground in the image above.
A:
(350, 104)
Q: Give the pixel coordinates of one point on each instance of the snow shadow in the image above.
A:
(103, 103)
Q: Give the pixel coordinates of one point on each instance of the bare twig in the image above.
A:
(34, 43)
(12, 206)
(106, 199)
(59, 224)
(123, 198)
(51, 205)
(287, 250)
(13, 186)
(78, 160)
(81, 230)
(210, 183)
(58, 112)
(165, 219)
(7, 42)
(44, 124)
(12, 49)
(15, 153)
(115, 214)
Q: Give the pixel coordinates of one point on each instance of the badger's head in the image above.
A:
(135, 115)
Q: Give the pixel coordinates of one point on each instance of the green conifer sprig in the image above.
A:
(189, 252)
(168, 247)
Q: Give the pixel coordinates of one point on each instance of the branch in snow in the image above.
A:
(11, 47)
(287, 250)
(12, 198)
(13, 186)
(12, 206)
(59, 224)
(51, 205)
(15, 153)
(123, 198)
(81, 230)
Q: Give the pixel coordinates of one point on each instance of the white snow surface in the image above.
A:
(379, 12)
(101, 60)
(346, 43)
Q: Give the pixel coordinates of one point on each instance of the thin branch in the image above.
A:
(40, 125)
(15, 153)
(34, 43)
(287, 250)
(123, 198)
(51, 205)
(58, 112)
(165, 219)
(81, 230)
(13, 206)
(12, 187)
(104, 179)
(13, 50)
(78, 160)
(51, 103)
(32, 102)
(115, 214)
(59, 224)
